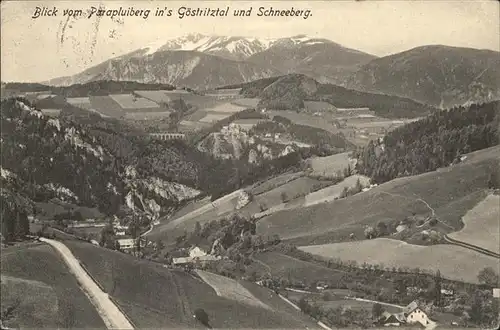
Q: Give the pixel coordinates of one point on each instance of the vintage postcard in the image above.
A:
(250, 164)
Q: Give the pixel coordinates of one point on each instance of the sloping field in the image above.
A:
(205, 213)
(248, 124)
(318, 106)
(226, 314)
(147, 115)
(187, 126)
(283, 311)
(190, 207)
(330, 165)
(129, 101)
(450, 192)
(156, 297)
(132, 282)
(227, 107)
(290, 190)
(482, 225)
(230, 289)
(246, 102)
(155, 96)
(454, 262)
(51, 112)
(107, 106)
(81, 102)
(196, 116)
(48, 293)
(284, 266)
(306, 119)
(214, 117)
(330, 193)
(224, 92)
(277, 181)
(39, 301)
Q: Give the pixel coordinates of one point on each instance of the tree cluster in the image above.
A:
(436, 141)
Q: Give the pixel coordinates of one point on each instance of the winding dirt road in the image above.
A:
(110, 313)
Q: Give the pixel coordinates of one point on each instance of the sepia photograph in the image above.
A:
(250, 164)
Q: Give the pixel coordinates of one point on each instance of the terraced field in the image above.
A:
(454, 262)
(482, 225)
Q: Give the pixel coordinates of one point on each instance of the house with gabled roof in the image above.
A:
(411, 314)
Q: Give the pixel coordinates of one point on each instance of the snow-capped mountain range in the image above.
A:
(232, 47)
(202, 61)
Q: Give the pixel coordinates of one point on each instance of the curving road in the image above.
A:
(110, 313)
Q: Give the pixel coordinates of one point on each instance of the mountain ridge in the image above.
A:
(443, 76)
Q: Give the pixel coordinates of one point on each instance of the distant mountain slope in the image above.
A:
(180, 68)
(438, 75)
(201, 61)
(99, 87)
(290, 92)
(322, 59)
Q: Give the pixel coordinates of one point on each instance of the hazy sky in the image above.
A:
(49, 47)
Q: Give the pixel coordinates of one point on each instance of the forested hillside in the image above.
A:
(289, 92)
(99, 87)
(436, 141)
(85, 160)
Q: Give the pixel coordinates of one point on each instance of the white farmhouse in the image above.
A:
(496, 293)
(196, 252)
(126, 243)
(415, 315)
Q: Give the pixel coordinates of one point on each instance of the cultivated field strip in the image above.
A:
(106, 106)
(129, 101)
(226, 108)
(213, 117)
(454, 262)
(219, 203)
(481, 225)
(230, 289)
(155, 96)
